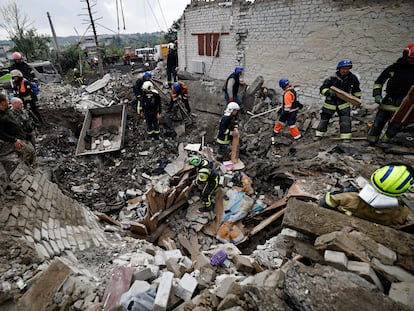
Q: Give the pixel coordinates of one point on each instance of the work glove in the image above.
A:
(330, 93)
(378, 99)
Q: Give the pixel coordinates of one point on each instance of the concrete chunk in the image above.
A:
(364, 269)
(163, 292)
(243, 264)
(336, 259)
(403, 292)
(186, 287)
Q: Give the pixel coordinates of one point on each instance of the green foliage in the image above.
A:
(171, 35)
(69, 57)
(31, 45)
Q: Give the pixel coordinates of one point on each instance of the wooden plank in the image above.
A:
(170, 199)
(267, 222)
(235, 146)
(346, 96)
(405, 113)
(314, 220)
(155, 204)
(167, 212)
(41, 292)
(138, 228)
(119, 283)
(107, 218)
(212, 227)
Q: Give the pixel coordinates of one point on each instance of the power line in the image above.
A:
(152, 11)
(162, 14)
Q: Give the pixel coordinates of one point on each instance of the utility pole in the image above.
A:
(56, 43)
(100, 65)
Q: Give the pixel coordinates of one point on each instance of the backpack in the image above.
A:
(34, 88)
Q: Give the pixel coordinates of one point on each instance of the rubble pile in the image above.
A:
(276, 250)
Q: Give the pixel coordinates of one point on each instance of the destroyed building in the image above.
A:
(108, 217)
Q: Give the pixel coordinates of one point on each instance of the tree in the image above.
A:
(171, 34)
(23, 34)
(32, 46)
(14, 21)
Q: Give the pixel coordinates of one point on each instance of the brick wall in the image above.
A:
(298, 39)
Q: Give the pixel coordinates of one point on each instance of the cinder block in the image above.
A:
(163, 292)
(186, 287)
(143, 274)
(336, 259)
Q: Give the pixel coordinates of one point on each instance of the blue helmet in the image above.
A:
(344, 63)
(238, 69)
(176, 86)
(283, 82)
(147, 75)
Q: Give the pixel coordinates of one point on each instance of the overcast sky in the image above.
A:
(139, 15)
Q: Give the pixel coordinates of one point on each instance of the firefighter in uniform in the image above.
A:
(137, 89)
(208, 178)
(151, 109)
(399, 77)
(228, 124)
(345, 80)
(377, 202)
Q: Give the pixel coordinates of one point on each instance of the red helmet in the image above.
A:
(16, 55)
(409, 51)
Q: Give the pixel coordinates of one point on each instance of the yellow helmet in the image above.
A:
(393, 179)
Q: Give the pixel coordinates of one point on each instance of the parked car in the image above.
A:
(45, 72)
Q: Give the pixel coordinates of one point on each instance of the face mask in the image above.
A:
(377, 200)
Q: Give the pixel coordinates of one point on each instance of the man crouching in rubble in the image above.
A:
(377, 202)
(207, 178)
(14, 137)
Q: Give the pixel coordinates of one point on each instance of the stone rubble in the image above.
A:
(48, 214)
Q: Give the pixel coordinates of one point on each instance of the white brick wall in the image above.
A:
(302, 40)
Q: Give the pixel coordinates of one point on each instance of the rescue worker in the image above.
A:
(231, 86)
(228, 124)
(345, 80)
(208, 178)
(151, 109)
(23, 90)
(179, 88)
(399, 78)
(77, 77)
(137, 89)
(172, 64)
(25, 69)
(13, 136)
(24, 118)
(290, 108)
(377, 202)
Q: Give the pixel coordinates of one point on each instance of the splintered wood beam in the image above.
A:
(346, 96)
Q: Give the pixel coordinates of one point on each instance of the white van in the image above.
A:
(145, 54)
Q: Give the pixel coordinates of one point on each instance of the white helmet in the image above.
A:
(230, 107)
(147, 86)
